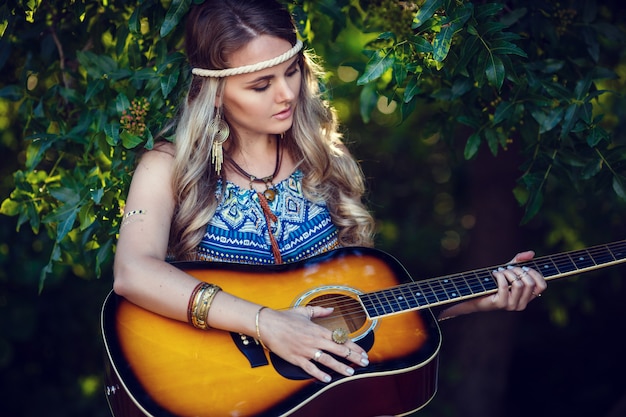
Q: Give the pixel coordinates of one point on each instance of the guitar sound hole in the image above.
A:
(348, 312)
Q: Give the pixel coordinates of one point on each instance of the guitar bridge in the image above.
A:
(251, 349)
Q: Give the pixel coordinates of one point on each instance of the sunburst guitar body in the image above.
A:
(162, 367)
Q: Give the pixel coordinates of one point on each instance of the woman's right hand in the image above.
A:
(294, 337)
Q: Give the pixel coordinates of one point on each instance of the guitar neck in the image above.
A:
(456, 287)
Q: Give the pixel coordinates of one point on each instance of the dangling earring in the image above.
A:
(219, 131)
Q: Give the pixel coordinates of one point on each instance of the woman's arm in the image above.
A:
(144, 277)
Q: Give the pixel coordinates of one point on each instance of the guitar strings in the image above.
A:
(437, 291)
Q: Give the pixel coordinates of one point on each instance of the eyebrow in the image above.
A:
(270, 76)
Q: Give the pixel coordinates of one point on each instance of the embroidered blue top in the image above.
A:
(238, 232)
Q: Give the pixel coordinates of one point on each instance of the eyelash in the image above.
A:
(291, 73)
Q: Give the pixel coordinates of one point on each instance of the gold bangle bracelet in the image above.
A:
(201, 305)
(258, 330)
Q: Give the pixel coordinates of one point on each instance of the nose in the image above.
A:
(285, 90)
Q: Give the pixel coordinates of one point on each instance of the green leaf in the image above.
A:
(55, 256)
(421, 45)
(174, 16)
(442, 43)
(469, 121)
(121, 35)
(400, 72)
(449, 26)
(426, 12)
(86, 216)
(472, 146)
(487, 10)
(535, 201)
(37, 149)
(134, 23)
(64, 218)
(412, 88)
(468, 52)
(10, 207)
(112, 131)
(591, 168)
(506, 48)
(596, 135)
(380, 62)
(93, 89)
(460, 87)
(504, 111)
(130, 141)
(619, 187)
(547, 120)
(65, 195)
(102, 254)
(11, 92)
(96, 65)
(368, 99)
(569, 119)
(135, 57)
(495, 71)
(169, 81)
(492, 141)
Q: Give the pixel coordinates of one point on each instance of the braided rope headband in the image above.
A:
(245, 69)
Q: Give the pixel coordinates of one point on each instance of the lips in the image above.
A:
(285, 114)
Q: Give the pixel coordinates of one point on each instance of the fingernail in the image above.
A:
(365, 362)
(327, 378)
(500, 269)
(525, 268)
(350, 371)
(510, 267)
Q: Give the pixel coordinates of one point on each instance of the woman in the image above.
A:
(258, 174)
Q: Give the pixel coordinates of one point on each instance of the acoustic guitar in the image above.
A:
(161, 367)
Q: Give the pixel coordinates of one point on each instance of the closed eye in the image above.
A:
(265, 82)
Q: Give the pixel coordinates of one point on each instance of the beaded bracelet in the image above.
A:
(201, 299)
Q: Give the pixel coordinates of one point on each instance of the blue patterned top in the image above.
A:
(238, 232)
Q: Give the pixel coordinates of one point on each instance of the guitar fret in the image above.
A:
(371, 303)
(400, 302)
(601, 255)
(450, 288)
(546, 267)
(438, 290)
(422, 296)
(618, 249)
(582, 259)
(564, 263)
(461, 284)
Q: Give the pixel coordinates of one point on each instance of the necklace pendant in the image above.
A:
(270, 194)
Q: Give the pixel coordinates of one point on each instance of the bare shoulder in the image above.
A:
(151, 183)
(160, 159)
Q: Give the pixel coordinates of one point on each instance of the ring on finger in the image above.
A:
(317, 355)
(348, 354)
(340, 335)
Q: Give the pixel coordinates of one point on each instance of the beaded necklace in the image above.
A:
(270, 189)
(264, 197)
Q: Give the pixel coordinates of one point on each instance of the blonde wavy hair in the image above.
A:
(216, 29)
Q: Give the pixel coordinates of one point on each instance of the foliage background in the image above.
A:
(451, 144)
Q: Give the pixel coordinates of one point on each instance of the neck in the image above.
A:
(259, 165)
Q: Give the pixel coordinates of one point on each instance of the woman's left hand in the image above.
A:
(517, 286)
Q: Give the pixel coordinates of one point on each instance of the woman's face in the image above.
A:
(262, 102)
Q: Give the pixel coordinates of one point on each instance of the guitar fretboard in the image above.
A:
(443, 290)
